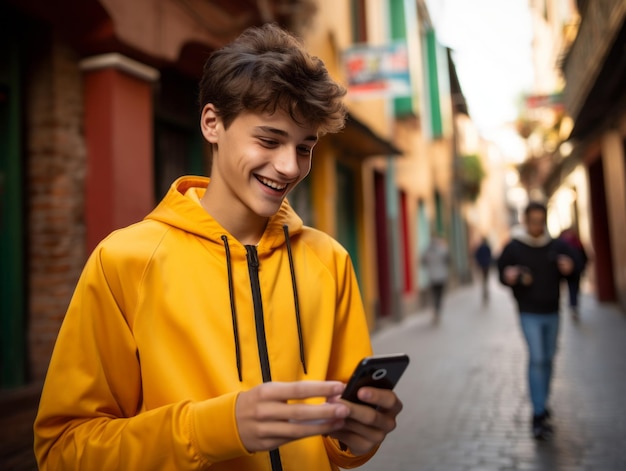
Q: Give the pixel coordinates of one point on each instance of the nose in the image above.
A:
(287, 163)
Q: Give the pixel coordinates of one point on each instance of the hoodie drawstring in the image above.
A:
(233, 309)
(295, 297)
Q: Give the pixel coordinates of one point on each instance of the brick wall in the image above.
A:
(55, 179)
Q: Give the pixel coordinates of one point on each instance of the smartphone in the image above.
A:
(378, 371)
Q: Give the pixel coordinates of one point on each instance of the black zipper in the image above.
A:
(261, 340)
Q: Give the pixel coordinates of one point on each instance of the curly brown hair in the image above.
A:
(266, 69)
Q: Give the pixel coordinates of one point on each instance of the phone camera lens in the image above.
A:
(379, 374)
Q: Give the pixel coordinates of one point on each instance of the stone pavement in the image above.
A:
(465, 399)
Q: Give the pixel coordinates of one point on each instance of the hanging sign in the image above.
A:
(378, 71)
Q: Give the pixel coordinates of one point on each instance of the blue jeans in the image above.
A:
(541, 332)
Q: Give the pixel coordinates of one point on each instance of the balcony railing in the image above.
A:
(601, 22)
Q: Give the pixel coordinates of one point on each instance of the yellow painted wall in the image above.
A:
(424, 165)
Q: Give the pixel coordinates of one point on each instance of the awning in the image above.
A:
(358, 140)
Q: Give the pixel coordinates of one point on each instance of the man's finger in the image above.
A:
(382, 398)
(305, 413)
(288, 430)
(300, 390)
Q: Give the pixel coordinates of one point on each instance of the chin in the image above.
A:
(267, 212)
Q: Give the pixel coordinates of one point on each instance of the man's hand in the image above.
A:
(565, 265)
(366, 427)
(267, 418)
(515, 274)
(511, 274)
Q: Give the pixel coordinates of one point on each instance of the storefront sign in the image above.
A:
(375, 71)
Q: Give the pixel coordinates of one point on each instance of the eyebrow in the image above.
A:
(283, 133)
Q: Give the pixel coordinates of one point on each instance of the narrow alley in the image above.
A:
(464, 393)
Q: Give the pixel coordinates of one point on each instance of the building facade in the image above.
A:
(585, 181)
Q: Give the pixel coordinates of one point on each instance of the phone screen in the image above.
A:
(378, 371)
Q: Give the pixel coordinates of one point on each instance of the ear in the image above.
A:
(209, 121)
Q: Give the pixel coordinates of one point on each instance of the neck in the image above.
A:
(247, 228)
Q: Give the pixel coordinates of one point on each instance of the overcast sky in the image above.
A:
(491, 44)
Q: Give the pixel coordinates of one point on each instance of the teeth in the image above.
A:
(272, 184)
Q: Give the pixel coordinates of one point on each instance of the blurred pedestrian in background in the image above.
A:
(436, 260)
(570, 237)
(483, 258)
(533, 264)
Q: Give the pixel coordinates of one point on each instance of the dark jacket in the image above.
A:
(483, 255)
(539, 257)
(571, 239)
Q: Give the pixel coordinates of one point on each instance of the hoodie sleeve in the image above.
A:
(90, 414)
(343, 458)
(351, 343)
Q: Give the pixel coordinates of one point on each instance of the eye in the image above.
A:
(304, 150)
(269, 143)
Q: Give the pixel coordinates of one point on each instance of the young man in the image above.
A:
(219, 332)
(533, 265)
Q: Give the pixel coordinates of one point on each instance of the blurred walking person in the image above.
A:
(533, 265)
(483, 258)
(436, 260)
(570, 237)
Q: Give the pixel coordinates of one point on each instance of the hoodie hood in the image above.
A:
(520, 233)
(181, 208)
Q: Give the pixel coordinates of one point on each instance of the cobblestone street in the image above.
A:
(466, 407)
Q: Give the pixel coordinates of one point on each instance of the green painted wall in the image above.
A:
(346, 215)
(402, 106)
(432, 71)
(12, 303)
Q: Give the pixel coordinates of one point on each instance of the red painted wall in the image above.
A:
(407, 260)
(605, 283)
(119, 138)
(383, 256)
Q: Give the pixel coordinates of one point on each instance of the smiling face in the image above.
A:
(257, 161)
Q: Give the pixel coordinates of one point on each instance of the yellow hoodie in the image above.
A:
(159, 339)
